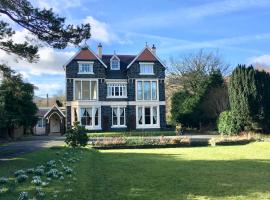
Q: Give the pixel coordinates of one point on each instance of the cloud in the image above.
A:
(260, 60)
(51, 61)
(100, 31)
(58, 5)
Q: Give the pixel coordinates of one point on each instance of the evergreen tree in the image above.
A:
(16, 102)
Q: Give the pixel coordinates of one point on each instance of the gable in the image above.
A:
(146, 55)
(85, 54)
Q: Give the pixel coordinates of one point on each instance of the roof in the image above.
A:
(146, 55)
(85, 54)
(124, 62)
(42, 111)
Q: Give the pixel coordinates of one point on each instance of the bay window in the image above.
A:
(147, 90)
(88, 117)
(117, 90)
(118, 117)
(147, 116)
(85, 89)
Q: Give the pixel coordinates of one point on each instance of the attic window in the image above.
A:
(86, 67)
(115, 63)
(146, 68)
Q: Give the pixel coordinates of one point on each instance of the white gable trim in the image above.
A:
(54, 106)
(141, 53)
(65, 65)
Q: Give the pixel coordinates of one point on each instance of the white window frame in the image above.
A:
(143, 80)
(113, 86)
(42, 122)
(118, 117)
(91, 63)
(111, 61)
(142, 64)
(80, 99)
(151, 125)
(79, 114)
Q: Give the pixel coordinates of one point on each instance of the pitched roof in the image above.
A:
(146, 55)
(124, 62)
(85, 54)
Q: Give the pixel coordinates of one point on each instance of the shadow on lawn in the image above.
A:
(159, 176)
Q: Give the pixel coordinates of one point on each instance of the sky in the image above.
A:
(237, 29)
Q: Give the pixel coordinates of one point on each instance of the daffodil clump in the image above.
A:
(42, 176)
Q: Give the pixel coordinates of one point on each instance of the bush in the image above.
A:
(76, 136)
(227, 124)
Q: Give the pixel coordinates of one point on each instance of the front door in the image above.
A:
(55, 124)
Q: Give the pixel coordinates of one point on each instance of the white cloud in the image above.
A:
(100, 31)
(260, 60)
(51, 61)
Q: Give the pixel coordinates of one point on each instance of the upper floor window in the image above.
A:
(115, 63)
(85, 67)
(147, 68)
(147, 90)
(85, 90)
(117, 90)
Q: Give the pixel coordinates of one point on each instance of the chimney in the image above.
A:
(99, 50)
(154, 49)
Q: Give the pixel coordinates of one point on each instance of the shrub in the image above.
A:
(76, 136)
(227, 124)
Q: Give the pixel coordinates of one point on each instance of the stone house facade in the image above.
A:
(116, 92)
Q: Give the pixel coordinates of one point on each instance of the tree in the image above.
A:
(42, 23)
(249, 93)
(200, 80)
(16, 102)
(76, 136)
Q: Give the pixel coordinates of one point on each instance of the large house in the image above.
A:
(116, 92)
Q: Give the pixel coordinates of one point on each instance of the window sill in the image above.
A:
(116, 97)
(85, 72)
(121, 126)
(142, 126)
(147, 74)
(115, 69)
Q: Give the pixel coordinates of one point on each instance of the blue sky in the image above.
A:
(237, 29)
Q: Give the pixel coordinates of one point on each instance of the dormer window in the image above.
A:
(146, 68)
(115, 63)
(85, 67)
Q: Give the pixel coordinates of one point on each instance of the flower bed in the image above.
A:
(231, 140)
(145, 142)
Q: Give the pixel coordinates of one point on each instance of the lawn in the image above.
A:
(231, 172)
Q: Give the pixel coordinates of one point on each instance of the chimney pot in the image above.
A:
(99, 50)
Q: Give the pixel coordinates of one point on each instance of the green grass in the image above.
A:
(131, 133)
(231, 172)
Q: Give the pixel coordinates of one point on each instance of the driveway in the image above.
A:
(29, 144)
